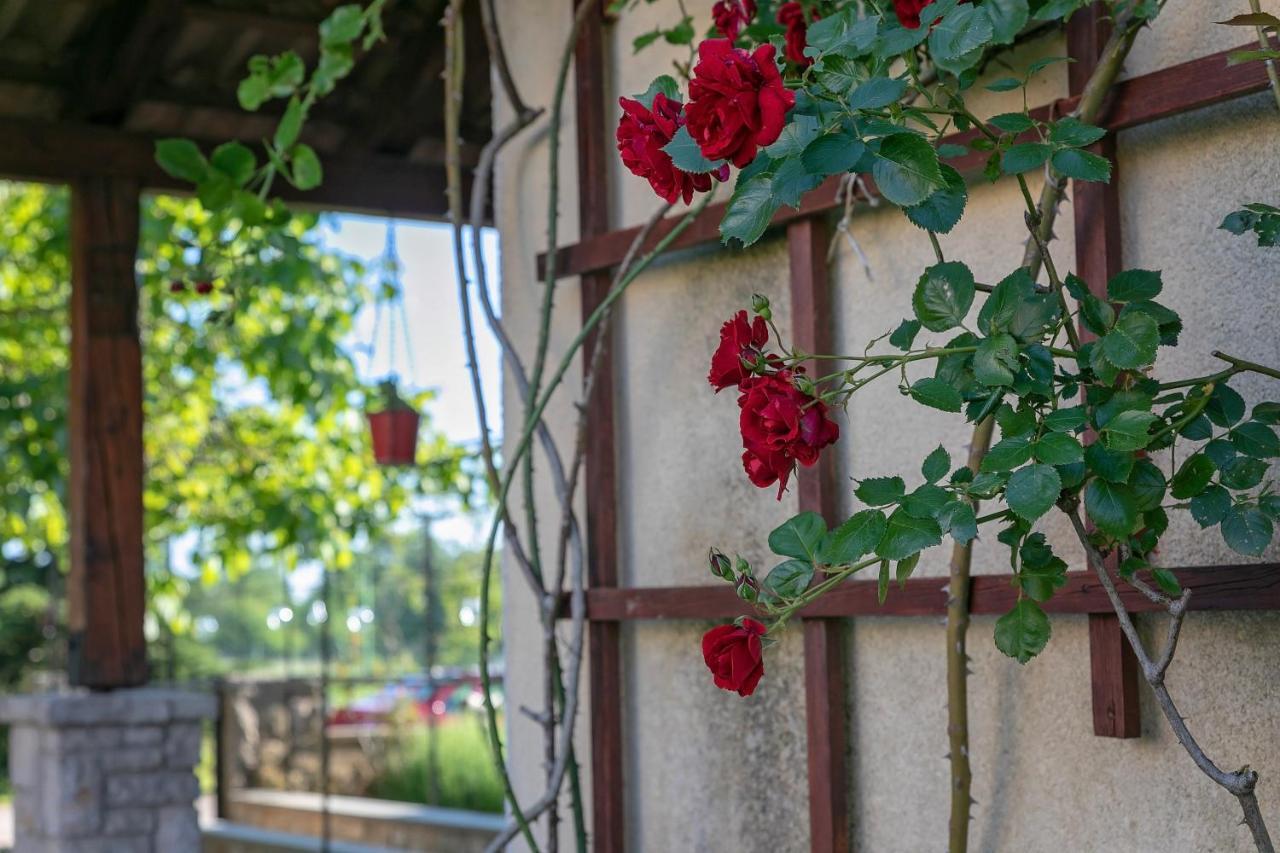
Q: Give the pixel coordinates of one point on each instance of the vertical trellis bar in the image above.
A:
(824, 664)
(1096, 208)
(604, 638)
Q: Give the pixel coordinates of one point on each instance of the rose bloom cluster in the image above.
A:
(781, 425)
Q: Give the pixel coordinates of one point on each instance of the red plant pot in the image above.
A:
(395, 436)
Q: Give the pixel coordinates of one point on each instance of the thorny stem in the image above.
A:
(1241, 783)
(1043, 214)
(1256, 7)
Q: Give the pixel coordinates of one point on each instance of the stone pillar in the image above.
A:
(99, 772)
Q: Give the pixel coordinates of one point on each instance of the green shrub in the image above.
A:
(465, 777)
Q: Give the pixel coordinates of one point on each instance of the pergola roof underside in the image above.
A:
(86, 86)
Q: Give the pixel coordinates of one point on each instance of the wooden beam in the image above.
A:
(1235, 587)
(824, 639)
(1150, 97)
(608, 758)
(105, 587)
(1096, 211)
(124, 51)
(62, 153)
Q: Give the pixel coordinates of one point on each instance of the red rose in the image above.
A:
(791, 16)
(737, 102)
(731, 16)
(642, 133)
(781, 425)
(734, 656)
(909, 11)
(739, 340)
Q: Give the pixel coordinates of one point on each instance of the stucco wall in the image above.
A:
(707, 771)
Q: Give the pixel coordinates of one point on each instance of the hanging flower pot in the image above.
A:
(394, 429)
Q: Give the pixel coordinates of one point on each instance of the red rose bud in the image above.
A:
(741, 340)
(735, 656)
(781, 426)
(720, 565)
(737, 101)
(177, 286)
(747, 587)
(791, 16)
(730, 16)
(204, 287)
(642, 133)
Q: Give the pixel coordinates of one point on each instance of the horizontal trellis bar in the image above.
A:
(1237, 587)
(1150, 97)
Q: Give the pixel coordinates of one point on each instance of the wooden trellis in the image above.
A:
(1139, 100)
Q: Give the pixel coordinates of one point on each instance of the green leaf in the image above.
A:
(833, 153)
(799, 536)
(789, 579)
(906, 169)
(1042, 571)
(307, 173)
(1128, 430)
(1134, 286)
(1054, 9)
(686, 156)
(795, 136)
(1082, 165)
(853, 539)
(1012, 122)
(905, 334)
(253, 91)
(1225, 407)
(1192, 477)
(937, 394)
(1004, 84)
(1210, 506)
(1256, 439)
(941, 211)
(1247, 530)
(663, 84)
(943, 296)
(876, 92)
(1113, 507)
(936, 464)
(1111, 465)
(1024, 157)
(1166, 580)
(880, 491)
(1253, 19)
(957, 518)
(1023, 632)
(1267, 413)
(882, 582)
(1008, 453)
(926, 501)
(1065, 420)
(343, 25)
(1058, 448)
(1132, 343)
(1033, 490)
(1243, 473)
(1148, 484)
(751, 207)
(905, 568)
(1221, 452)
(996, 360)
(290, 125)
(215, 191)
(955, 41)
(235, 161)
(1007, 18)
(181, 159)
(906, 535)
(1072, 132)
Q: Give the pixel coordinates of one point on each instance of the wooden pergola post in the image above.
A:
(105, 588)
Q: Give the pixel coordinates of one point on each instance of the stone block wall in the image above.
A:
(99, 772)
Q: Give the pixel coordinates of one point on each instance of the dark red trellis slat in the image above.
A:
(106, 590)
(1096, 209)
(1235, 587)
(604, 641)
(1149, 97)
(824, 659)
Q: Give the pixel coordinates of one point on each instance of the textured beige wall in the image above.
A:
(707, 771)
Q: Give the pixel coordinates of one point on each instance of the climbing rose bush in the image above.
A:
(782, 97)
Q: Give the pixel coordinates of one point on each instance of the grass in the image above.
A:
(466, 778)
